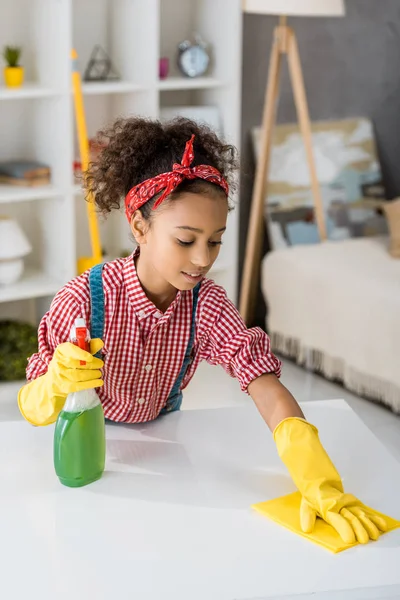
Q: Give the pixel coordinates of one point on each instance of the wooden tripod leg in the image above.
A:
(305, 127)
(255, 230)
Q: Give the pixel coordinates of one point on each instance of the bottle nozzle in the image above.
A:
(80, 336)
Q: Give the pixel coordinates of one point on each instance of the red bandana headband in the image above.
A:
(143, 192)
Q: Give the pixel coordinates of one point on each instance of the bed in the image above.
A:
(335, 308)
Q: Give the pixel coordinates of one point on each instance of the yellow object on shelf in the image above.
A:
(13, 76)
(286, 511)
(85, 262)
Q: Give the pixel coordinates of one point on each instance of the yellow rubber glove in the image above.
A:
(41, 400)
(321, 486)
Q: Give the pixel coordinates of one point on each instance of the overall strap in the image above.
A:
(175, 397)
(188, 353)
(193, 325)
(96, 303)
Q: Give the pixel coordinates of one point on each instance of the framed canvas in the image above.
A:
(349, 175)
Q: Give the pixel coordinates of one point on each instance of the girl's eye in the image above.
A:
(183, 243)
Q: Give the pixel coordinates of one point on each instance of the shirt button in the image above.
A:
(158, 315)
(142, 314)
(141, 400)
(148, 367)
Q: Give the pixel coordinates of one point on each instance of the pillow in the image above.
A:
(392, 212)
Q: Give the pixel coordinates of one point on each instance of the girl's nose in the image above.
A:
(201, 257)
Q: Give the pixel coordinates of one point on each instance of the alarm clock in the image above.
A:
(193, 58)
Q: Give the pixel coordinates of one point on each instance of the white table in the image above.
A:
(171, 518)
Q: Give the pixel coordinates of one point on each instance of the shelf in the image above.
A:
(16, 193)
(185, 83)
(110, 87)
(39, 120)
(33, 284)
(28, 90)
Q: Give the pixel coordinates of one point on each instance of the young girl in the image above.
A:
(154, 315)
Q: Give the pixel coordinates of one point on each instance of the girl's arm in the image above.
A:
(246, 354)
(55, 369)
(273, 400)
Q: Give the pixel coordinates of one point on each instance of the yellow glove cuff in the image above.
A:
(290, 421)
(299, 447)
(35, 404)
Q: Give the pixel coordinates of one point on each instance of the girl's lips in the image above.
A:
(193, 278)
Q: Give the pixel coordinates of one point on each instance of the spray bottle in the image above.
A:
(79, 436)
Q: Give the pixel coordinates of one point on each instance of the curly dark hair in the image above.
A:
(136, 149)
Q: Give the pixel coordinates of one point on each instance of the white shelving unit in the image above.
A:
(29, 90)
(200, 83)
(37, 120)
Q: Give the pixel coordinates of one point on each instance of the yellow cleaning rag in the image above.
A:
(286, 511)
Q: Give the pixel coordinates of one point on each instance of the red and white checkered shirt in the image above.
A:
(144, 349)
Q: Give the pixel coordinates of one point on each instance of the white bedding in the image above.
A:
(336, 307)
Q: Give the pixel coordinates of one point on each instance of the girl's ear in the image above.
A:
(139, 227)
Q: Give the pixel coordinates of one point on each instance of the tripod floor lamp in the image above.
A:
(284, 44)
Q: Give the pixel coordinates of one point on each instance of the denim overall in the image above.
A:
(97, 327)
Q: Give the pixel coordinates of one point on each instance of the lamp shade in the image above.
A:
(296, 8)
(13, 242)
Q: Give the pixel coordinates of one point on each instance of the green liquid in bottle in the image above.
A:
(80, 446)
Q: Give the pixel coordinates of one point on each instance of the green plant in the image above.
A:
(12, 55)
(17, 342)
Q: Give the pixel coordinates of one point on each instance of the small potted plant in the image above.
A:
(13, 72)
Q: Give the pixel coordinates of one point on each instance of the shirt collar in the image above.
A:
(137, 297)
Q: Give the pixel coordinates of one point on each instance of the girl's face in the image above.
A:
(182, 242)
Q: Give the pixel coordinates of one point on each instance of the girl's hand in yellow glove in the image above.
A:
(41, 400)
(67, 374)
(321, 486)
(351, 519)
